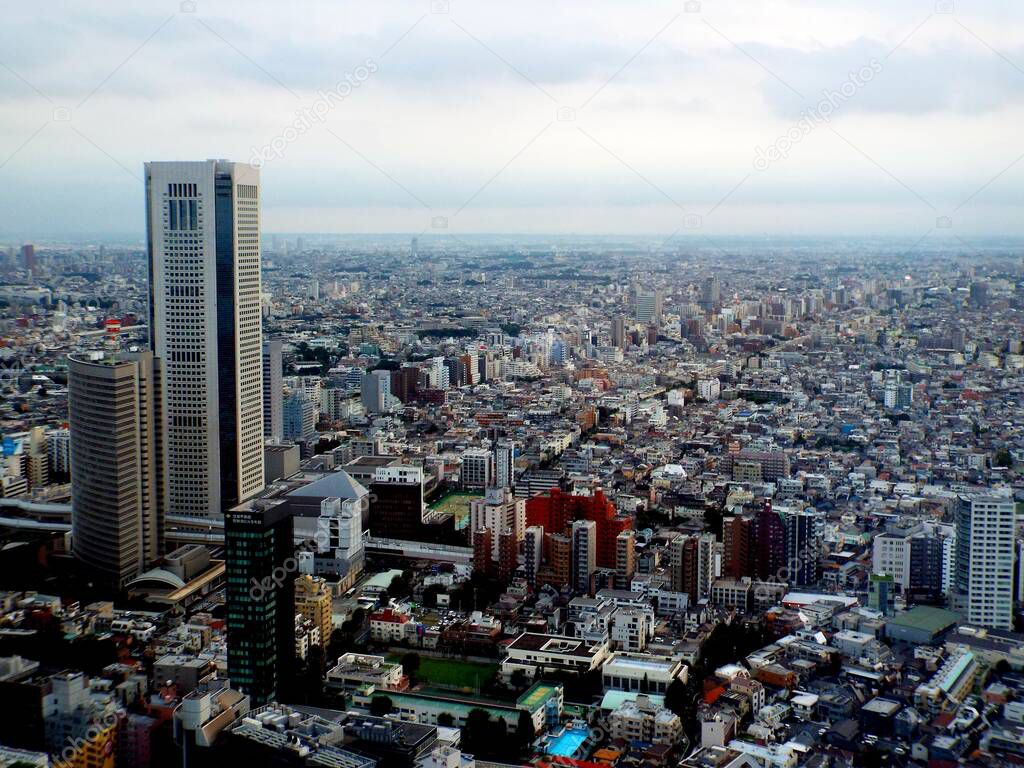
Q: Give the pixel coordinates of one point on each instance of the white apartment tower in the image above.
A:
(985, 554)
(505, 464)
(203, 238)
(584, 554)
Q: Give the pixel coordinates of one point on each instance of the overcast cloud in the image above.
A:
(619, 117)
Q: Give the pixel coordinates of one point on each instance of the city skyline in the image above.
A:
(535, 384)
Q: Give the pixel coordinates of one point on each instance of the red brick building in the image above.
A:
(555, 511)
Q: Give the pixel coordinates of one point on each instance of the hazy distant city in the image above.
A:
(437, 428)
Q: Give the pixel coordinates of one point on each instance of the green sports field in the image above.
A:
(451, 673)
(456, 503)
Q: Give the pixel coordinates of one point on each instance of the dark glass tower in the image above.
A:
(260, 565)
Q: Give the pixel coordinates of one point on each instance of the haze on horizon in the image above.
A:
(458, 117)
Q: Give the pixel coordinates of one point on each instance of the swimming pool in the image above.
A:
(568, 742)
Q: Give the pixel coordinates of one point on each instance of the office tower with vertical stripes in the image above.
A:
(117, 473)
(203, 239)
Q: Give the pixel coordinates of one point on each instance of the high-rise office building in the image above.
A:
(28, 257)
(898, 396)
(58, 452)
(203, 239)
(979, 295)
(273, 392)
(376, 391)
(985, 552)
(710, 292)
(648, 306)
(584, 553)
(117, 476)
(260, 597)
(299, 416)
(881, 593)
(619, 331)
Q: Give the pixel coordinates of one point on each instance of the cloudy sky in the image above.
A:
(554, 116)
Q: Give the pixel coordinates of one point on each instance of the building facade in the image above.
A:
(203, 240)
(117, 474)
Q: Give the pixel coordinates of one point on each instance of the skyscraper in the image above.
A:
(648, 306)
(710, 292)
(619, 331)
(117, 479)
(260, 597)
(273, 397)
(203, 238)
(28, 257)
(983, 585)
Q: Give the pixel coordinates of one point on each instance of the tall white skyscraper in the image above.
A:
(203, 238)
(985, 552)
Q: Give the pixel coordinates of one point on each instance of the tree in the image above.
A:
(483, 737)
(519, 680)
(411, 665)
(399, 586)
(381, 705)
(676, 697)
(446, 719)
(525, 731)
